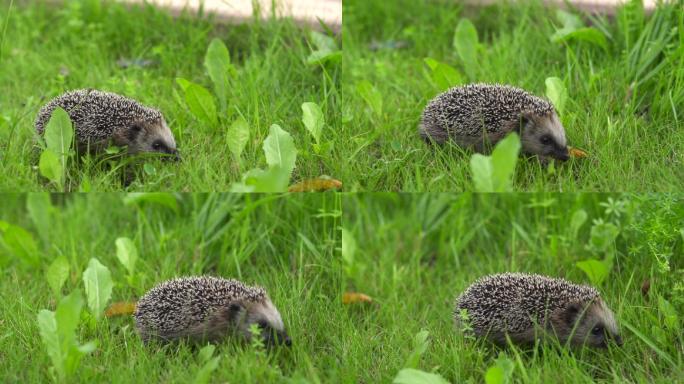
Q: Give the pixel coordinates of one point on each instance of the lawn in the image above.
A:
(413, 254)
(621, 79)
(283, 243)
(274, 66)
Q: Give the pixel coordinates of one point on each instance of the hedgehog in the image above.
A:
(527, 307)
(101, 118)
(478, 116)
(205, 308)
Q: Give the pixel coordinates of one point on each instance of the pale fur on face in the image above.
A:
(593, 324)
(265, 315)
(544, 136)
(147, 136)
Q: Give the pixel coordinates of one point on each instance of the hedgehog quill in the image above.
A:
(527, 307)
(104, 118)
(204, 308)
(478, 116)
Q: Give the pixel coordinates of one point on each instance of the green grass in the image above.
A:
(48, 49)
(624, 106)
(416, 253)
(413, 254)
(284, 243)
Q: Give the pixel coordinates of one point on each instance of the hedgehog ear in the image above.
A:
(571, 313)
(234, 310)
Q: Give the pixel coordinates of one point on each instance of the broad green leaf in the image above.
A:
(371, 96)
(596, 270)
(209, 365)
(326, 49)
(88, 347)
(164, 199)
(569, 20)
(273, 179)
(494, 375)
(578, 219)
(57, 274)
(98, 286)
(323, 56)
(504, 159)
(280, 150)
(495, 173)
(313, 119)
(68, 315)
(415, 376)
(21, 244)
(500, 372)
(348, 246)
(184, 84)
(39, 209)
(50, 167)
(465, 43)
(669, 313)
(574, 29)
(603, 236)
(149, 169)
(127, 253)
(204, 373)
(589, 34)
(420, 345)
(557, 93)
(482, 170)
(200, 102)
(59, 134)
(322, 42)
(442, 74)
(206, 353)
(47, 328)
(217, 63)
(237, 136)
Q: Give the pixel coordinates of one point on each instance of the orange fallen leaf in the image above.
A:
(120, 308)
(576, 152)
(355, 297)
(315, 185)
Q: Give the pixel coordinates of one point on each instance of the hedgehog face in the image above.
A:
(592, 325)
(267, 318)
(151, 136)
(544, 136)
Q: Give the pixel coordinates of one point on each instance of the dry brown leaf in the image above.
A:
(315, 185)
(355, 297)
(120, 308)
(576, 152)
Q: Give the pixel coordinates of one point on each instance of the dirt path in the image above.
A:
(330, 11)
(304, 11)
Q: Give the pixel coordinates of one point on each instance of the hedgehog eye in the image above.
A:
(262, 324)
(546, 140)
(157, 145)
(597, 330)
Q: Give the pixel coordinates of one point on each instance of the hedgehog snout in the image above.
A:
(618, 340)
(274, 338)
(174, 155)
(562, 154)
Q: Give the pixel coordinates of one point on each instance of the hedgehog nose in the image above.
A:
(564, 155)
(287, 341)
(176, 155)
(618, 340)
